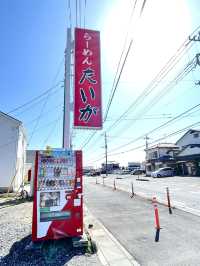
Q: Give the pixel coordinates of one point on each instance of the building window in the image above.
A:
(154, 155)
(195, 135)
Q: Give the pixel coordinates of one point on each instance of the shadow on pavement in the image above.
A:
(142, 179)
(12, 202)
(51, 252)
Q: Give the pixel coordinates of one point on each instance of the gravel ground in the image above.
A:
(15, 235)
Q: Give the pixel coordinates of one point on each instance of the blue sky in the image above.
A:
(33, 36)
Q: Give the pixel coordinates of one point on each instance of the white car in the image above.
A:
(165, 171)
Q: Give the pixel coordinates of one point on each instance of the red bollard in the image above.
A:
(114, 185)
(168, 201)
(157, 222)
(132, 191)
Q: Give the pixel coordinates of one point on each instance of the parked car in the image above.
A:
(162, 172)
(95, 173)
(137, 172)
(125, 172)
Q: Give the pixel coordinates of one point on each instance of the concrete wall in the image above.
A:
(8, 151)
(12, 153)
(21, 159)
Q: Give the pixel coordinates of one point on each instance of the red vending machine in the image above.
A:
(58, 200)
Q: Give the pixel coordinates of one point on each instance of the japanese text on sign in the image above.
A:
(87, 107)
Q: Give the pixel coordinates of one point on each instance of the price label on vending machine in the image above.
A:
(57, 207)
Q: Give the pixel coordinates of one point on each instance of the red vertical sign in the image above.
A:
(87, 102)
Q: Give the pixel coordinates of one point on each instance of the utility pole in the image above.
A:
(146, 141)
(67, 108)
(106, 153)
(146, 144)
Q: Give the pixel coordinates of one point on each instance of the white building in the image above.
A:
(160, 155)
(188, 159)
(191, 137)
(12, 153)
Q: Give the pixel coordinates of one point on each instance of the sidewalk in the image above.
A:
(110, 251)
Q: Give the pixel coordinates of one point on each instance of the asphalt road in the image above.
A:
(184, 191)
(131, 221)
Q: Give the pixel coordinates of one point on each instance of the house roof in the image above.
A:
(189, 131)
(164, 145)
(190, 146)
(10, 117)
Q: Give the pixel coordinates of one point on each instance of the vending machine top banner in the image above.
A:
(87, 102)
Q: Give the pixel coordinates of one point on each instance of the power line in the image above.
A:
(170, 64)
(118, 79)
(42, 94)
(163, 72)
(70, 13)
(47, 112)
(173, 59)
(85, 5)
(34, 104)
(80, 12)
(130, 44)
(33, 99)
(164, 91)
(76, 13)
(182, 115)
(150, 87)
(153, 84)
(51, 131)
(157, 140)
(142, 9)
(16, 140)
(49, 123)
(114, 86)
(88, 139)
(45, 103)
(157, 128)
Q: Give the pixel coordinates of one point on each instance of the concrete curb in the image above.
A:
(110, 251)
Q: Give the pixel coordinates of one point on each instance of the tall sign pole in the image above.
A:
(106, 154)
(67, 104)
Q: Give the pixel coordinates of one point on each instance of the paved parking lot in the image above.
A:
(131, 221)
(184, 191)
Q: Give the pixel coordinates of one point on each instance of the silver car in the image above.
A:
(165, 171)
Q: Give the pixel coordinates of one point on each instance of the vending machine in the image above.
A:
(58, 199)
